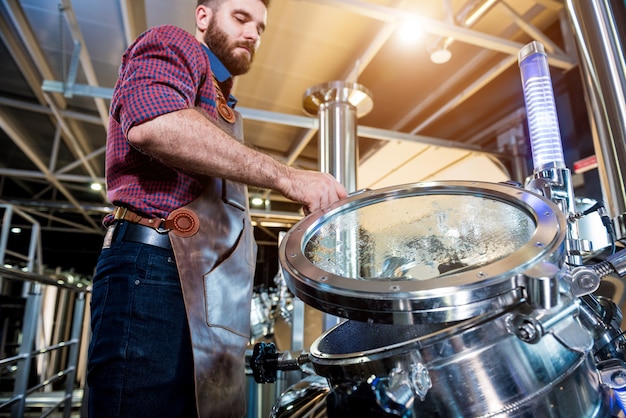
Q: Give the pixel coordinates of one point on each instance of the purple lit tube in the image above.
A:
(543, 124)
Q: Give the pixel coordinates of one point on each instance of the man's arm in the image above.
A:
(187, 140)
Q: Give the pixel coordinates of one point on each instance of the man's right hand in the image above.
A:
(313, 189)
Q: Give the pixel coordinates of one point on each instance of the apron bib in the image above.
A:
(216, 257)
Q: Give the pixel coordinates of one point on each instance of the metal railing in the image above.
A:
(43, 326)
(36, 370)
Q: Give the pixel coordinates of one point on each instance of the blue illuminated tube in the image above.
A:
(543, 124)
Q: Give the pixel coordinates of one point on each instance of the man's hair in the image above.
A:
(215, 4)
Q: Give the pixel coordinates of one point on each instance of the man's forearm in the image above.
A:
(187, 140)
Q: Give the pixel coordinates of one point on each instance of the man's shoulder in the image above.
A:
(170, 33)
(166, 38)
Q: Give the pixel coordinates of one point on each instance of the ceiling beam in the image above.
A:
(133, 19)
(531, 30)
(463, 74)
(34, 73)
(483, 40)
(351, 75)
(31, 174)
(85, 59)
(16, 19)
(313, 123)
(18, 136)
(468, 92)
(37, 108)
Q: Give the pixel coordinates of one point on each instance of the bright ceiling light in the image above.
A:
(440, 56)
(410, 30)
(275, 224)
(96, 187)
(257, 201)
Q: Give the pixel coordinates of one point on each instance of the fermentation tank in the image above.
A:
(457, 298)
(456, 304)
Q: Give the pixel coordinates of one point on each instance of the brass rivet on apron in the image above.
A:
(184, 222)
(222, 106)
(225, 112)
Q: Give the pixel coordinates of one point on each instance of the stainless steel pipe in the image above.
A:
(599, 27)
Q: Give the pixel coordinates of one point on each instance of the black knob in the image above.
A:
(264, 362)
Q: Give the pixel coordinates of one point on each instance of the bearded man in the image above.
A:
(171, 291)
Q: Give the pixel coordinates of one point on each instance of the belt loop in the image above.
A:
(118, 230)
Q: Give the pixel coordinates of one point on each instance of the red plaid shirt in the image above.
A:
(164, 70)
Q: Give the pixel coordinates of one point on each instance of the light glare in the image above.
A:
(257, 201)
(410, 31)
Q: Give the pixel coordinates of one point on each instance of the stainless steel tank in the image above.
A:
(455, 301)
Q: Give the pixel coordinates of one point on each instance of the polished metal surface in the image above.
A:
(425, 252)
(352, 94)
(262, 313)
(477, 367)
(304, 399)
(590, 226)
(338, 104)
(599, 27)
(463, 302)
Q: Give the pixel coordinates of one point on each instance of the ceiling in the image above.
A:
(428, 122)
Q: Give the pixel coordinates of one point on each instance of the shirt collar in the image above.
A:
(221, 74)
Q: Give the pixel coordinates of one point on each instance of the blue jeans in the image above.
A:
(140, 357)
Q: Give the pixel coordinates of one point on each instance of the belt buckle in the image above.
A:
(117, 215)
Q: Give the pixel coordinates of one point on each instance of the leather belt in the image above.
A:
(124, 214)
(132, 232)
(182, 222)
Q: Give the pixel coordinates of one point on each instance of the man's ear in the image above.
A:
(203, 17)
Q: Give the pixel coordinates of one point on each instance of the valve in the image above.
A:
(396, 394)
(265, 362)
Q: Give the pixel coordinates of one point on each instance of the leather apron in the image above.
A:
(216, 257)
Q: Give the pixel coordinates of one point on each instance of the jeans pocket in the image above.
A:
(113, 272)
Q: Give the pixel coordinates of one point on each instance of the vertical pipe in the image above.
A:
(29, 330)
(72, 361)
(4, 231)
(4, 237)
(338, 104)
(599, 28)
(512, 142)
(338, 146)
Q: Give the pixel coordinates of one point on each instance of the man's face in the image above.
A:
(234, 33)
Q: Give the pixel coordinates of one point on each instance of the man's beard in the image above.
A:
(218, 42)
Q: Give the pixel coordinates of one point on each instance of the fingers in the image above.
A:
(313, 189)
(328, 191)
